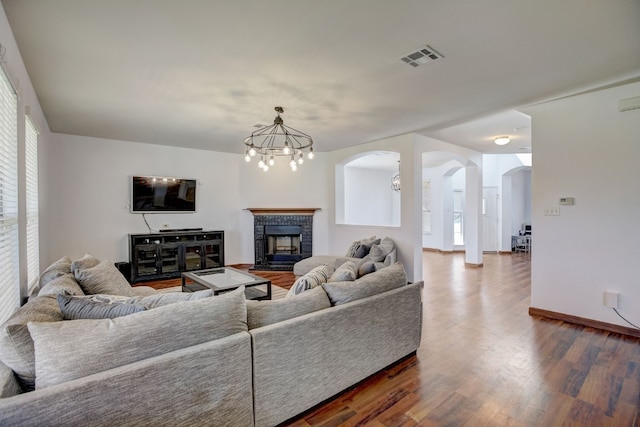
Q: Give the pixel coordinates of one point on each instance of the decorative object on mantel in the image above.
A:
(395, 181)
(278, 140)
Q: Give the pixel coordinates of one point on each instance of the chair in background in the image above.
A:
(522, 242)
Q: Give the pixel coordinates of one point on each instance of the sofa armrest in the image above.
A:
(8, 383)
(330, 350)
(206, 384)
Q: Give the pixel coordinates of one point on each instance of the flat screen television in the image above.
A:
(157, 194)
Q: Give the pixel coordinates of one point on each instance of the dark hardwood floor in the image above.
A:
(484, 361)
(284, 279)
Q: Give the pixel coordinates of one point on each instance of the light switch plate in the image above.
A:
(553, 211)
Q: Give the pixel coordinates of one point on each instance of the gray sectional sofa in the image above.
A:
(203, 360)
(369, 254)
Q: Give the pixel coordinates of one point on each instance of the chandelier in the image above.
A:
(278, 140)
(395, 181)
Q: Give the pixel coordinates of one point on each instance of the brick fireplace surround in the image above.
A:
(282, 236)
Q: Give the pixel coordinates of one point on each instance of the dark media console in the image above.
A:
(178, 230)
(166, 255)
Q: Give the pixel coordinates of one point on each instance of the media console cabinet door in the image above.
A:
(167, 255)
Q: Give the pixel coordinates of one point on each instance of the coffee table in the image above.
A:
(225, 279)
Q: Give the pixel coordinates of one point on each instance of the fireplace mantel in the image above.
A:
(283, 211)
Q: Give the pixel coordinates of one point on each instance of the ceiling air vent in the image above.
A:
(421, 56)
(629, 104)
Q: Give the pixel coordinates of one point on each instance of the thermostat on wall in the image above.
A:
(566, 200)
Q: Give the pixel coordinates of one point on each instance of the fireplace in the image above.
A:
(282, 237)
(283, 245)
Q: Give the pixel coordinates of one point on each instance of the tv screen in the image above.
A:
(162, 194)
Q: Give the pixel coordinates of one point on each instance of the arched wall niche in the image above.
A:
(363, 189)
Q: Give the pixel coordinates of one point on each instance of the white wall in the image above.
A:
(520, 203)
(442, 186)
(88, 192)
(585, 148)
(369, 198)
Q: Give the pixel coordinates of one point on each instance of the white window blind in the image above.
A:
(31, 163)
(9, 261)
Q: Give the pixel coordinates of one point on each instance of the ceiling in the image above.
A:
(201, 74)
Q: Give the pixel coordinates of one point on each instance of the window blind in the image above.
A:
(9, 255)
(31, 168)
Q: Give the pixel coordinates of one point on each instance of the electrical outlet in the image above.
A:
(553, 211)
(610, 299)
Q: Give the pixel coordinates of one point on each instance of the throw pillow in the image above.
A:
(145, 302)
(74, 308)
(162, 299)
(369, 266)
(87, 261)
(16, 345)
(103, 278)
(380, 281)
(365, 246)
(360, 248)
(346, 272)
(315, 277)
(262, 313)
(353, 249)
(69, 350)
(65, 284)
(55, 270)
(379, 251)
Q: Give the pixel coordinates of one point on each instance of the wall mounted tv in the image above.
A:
(158, 194)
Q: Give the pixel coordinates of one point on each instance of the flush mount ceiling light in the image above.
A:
(502, 140)
(278, 140)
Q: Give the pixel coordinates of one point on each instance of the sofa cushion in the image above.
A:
(16, 345)
(315, 277)
(87, 261)
(346, 272)
(64, 350)
(262, 313)
(380, 250)
(148, 301)
(9, 385)
(143, 291)
(383, 280)
(73, 308)
(103, 278)
(65, 284)
(52, 272)
(162, 299)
